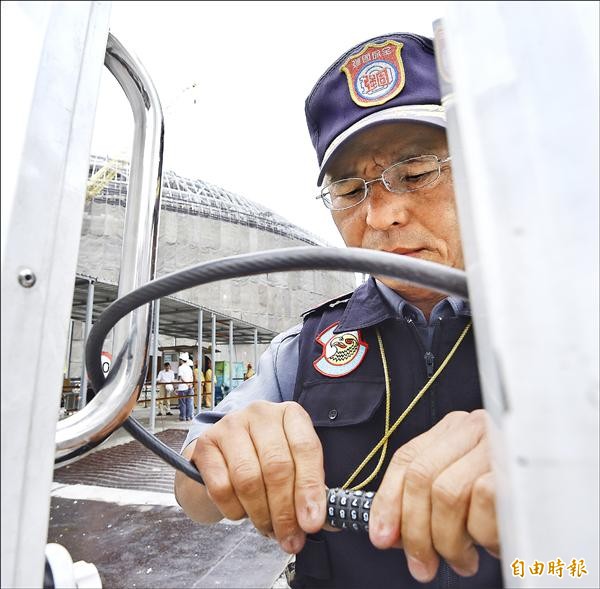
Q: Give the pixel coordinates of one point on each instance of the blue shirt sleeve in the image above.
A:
(274, 381)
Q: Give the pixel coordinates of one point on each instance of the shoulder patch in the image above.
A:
(342, 353)
(330, 304)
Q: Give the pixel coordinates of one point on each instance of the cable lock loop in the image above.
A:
(423, 273)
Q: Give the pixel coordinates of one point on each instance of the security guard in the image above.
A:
(377, 390)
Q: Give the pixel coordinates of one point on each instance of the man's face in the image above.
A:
(422, 224)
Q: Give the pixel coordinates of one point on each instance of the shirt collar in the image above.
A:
(373, 302)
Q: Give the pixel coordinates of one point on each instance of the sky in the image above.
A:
(232, 78)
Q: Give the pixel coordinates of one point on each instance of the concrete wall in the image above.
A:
(274, 301)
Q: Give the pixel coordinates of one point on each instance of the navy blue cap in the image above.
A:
(391, 77)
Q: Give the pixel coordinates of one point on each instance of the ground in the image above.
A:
(115, 508)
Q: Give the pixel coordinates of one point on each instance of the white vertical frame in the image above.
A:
(45, 214)
(523, 130)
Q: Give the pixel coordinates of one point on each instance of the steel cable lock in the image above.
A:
(347, 509)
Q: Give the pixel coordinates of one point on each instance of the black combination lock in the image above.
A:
(349, 510)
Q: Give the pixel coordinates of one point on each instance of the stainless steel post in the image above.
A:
(255, 348)
(154, 364)
(213, 345)
(89, 309)
(199, 355)
(230, 355)
(69, 348)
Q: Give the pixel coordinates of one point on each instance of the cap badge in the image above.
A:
(376, 74)
(342, 352)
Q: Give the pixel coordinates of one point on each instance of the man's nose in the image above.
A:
(384, 208)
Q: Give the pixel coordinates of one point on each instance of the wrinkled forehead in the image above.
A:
(386, 144)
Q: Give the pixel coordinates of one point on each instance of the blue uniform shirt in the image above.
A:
(276, 373)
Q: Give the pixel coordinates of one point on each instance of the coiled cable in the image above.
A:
(423, 273)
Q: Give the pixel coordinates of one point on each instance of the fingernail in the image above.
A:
(382, 532)
(418, 570)
(463, 572)
(466, 571)
(314, 513)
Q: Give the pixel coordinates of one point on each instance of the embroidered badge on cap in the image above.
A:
(376, 74)
(342, 352)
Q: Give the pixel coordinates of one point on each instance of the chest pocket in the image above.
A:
(349, 418)
(339, 403)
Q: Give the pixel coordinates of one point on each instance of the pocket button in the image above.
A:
(332, 414)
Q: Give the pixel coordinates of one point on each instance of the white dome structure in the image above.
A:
(201, 222)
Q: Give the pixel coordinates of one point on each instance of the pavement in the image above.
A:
(115, 508)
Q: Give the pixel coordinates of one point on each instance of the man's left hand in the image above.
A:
(437, 498)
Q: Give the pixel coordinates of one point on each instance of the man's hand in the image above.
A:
(266, 462)
(437, 498)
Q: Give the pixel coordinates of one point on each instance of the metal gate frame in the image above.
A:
(58, 76)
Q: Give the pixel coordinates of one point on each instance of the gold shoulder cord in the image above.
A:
(390, 430)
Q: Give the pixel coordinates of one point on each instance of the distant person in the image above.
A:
(208, 383)
(249, 372)
(185, 391)
(165, 378)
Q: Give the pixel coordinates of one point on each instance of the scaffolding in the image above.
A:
(199, 198)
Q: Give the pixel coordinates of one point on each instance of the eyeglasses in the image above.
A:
(406, 176)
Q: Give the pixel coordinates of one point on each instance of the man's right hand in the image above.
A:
(266, 462)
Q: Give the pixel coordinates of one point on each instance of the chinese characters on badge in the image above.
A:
(375, 75)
